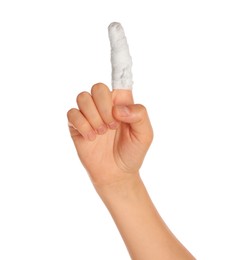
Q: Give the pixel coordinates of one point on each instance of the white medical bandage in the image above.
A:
(121, 61)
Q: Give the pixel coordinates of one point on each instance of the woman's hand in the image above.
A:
(111, 134)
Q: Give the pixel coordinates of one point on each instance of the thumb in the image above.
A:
(137, 117)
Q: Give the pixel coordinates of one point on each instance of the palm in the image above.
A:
(116, 151)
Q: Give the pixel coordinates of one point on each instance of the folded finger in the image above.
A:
(78, 122)
(103, 100)
(88, 108)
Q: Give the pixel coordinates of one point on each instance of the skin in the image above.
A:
(112, 135)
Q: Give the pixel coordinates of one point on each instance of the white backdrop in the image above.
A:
(189, 71)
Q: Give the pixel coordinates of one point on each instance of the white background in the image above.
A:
(189, 71)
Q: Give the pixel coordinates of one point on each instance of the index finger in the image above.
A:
(121, 61)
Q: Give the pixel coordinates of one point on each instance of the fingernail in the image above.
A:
(113, 125)
(91, 136)
(101, 130)
(123, 110)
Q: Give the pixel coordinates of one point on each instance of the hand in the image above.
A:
(111, 134)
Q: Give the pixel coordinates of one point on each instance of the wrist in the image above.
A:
(121, 188)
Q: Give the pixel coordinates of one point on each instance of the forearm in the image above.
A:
(144, 232)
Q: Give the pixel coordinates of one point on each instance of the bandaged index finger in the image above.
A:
(121, 61)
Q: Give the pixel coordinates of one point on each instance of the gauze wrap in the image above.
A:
(121, 61)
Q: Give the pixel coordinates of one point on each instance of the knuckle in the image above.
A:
(98, 87)
(151, 136)
(71, 112)
(142, 110)
(148, 138)
(82, 97)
